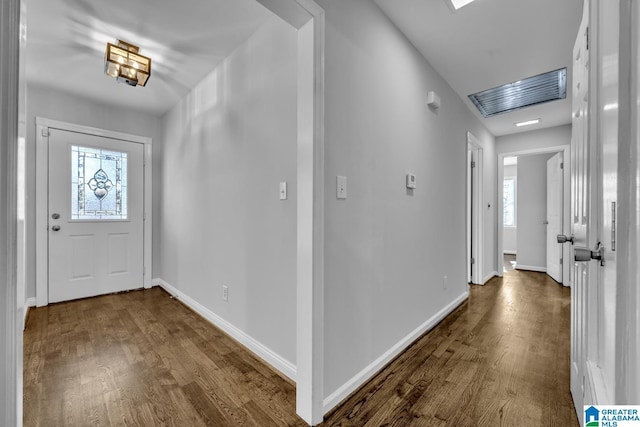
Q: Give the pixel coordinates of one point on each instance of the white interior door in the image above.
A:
(475, 218)
(469, 216)
(594, 190)
(95, 215)
(555, 181)
(602, 347)
(580, 186)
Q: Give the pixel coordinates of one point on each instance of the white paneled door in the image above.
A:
(555, 179)
(594, 153)
(581, 221)
(95, 215)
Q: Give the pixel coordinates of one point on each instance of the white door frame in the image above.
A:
(566, 205)
(10, 325)
(475, 212)
(628, 244)
(42, 190)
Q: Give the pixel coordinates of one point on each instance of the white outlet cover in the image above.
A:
(341, 187)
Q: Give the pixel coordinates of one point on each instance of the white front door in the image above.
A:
(555, 181)
(95, 215)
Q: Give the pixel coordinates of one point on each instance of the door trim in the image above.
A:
(627, 388)
(475, 216)
(42, 185)
(566, 201)
(10, 331)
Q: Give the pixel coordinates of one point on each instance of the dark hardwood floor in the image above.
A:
(142, 358)
(501, 359)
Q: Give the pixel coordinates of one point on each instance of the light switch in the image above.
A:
(341, 187)
(283, 190)
(411, 181)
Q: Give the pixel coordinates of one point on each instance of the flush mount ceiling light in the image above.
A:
(123, 62)
(528, 123)
(457, 4)
(534, 90)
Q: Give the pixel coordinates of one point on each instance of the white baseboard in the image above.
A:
(267, 355)
(489, 277)
(506, 252)
(598, 385)
(367, 373)
(531, 268)
(29, 302)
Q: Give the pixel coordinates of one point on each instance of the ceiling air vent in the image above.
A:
(523, 93)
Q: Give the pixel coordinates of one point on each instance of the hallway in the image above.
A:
(142, 358)
(502, 358)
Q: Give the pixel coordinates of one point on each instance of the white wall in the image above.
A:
(532, 212)
(62, 106)
(387, 248)
(509, 236)
(226, 147)
(543, 138)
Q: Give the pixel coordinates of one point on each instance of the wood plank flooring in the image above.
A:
(142, 358)
(501, 359)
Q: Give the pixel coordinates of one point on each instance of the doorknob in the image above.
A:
(56, 228)
(564, 239)
(545, 222)
(582, 254)
(55, 216)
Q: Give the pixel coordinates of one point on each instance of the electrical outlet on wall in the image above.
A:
(444, 282)
(225, 293)
(341, 187)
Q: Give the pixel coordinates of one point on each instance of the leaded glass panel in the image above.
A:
(98, 184)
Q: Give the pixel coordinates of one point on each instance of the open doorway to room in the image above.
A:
(534, 201)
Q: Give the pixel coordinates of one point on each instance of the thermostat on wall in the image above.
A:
(411, 180)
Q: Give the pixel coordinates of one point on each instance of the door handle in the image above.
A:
(55, 228)
(583, 254)
(564, 239)
(545, 222)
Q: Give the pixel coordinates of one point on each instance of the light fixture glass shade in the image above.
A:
(123, 62)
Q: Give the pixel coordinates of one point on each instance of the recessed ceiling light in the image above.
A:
(527, 123)
(457, 4)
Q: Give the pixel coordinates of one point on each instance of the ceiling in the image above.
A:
(489, 43)
(485, 44)
(186, 39)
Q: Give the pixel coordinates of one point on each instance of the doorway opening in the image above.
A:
(529, 224)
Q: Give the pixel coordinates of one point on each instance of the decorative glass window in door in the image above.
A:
(98, 184)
